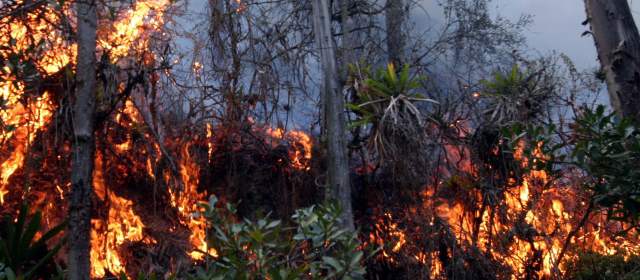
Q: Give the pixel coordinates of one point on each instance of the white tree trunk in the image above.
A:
(83, 143)
(618, 44)
(338, 166)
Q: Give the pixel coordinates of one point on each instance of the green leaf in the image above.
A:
(355, 259)
(31, 230)
(333, 263)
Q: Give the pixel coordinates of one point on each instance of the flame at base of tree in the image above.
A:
(129, 164)
(122, 225)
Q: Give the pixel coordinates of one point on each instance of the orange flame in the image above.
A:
(27, 121)
(130, 32)
(187, 201)
(122, 226)
(300, 156)
(537, 219)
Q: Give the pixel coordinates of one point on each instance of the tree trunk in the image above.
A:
(395, 18)
(84, 143)
(348, 48)
(618, 44)
(338, 166)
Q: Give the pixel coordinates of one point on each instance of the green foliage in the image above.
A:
(317, 248)
(609, 151)
(6, 273)
(22, 255)
(605, 149)
(593, 266)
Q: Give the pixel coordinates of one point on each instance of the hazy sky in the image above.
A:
(557, 26)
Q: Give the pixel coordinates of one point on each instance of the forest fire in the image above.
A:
(28, 121)
(30, 113)
(149, 178)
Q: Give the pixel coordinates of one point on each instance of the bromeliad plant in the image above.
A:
(22, 254)
(316, 248)
(518, 95)
(387, 102)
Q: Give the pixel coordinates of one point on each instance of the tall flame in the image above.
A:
(131, 31)
(126, 31)
(187, 201)
(122, 226)
(27, 122)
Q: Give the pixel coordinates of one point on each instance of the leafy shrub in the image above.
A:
(593, 266)
(316, 248)
(21, 255)
(609, 151)
(382, 93)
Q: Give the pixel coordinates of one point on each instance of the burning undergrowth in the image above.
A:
(491, 217)
(272, 175)
(150, 171)
(145, 192)
(479, 210)
(492, 207)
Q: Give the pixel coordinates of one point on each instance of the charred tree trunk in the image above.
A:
(333, 101)
(83, 143)
(395, 17)
(618, 44)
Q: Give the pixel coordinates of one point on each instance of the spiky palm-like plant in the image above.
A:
(387, 102)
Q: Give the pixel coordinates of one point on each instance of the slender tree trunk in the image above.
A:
(395, 18)
(338, 166)
(618, 44)
(84, 143)
(349, 41)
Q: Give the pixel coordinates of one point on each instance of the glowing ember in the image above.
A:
(392, 231)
